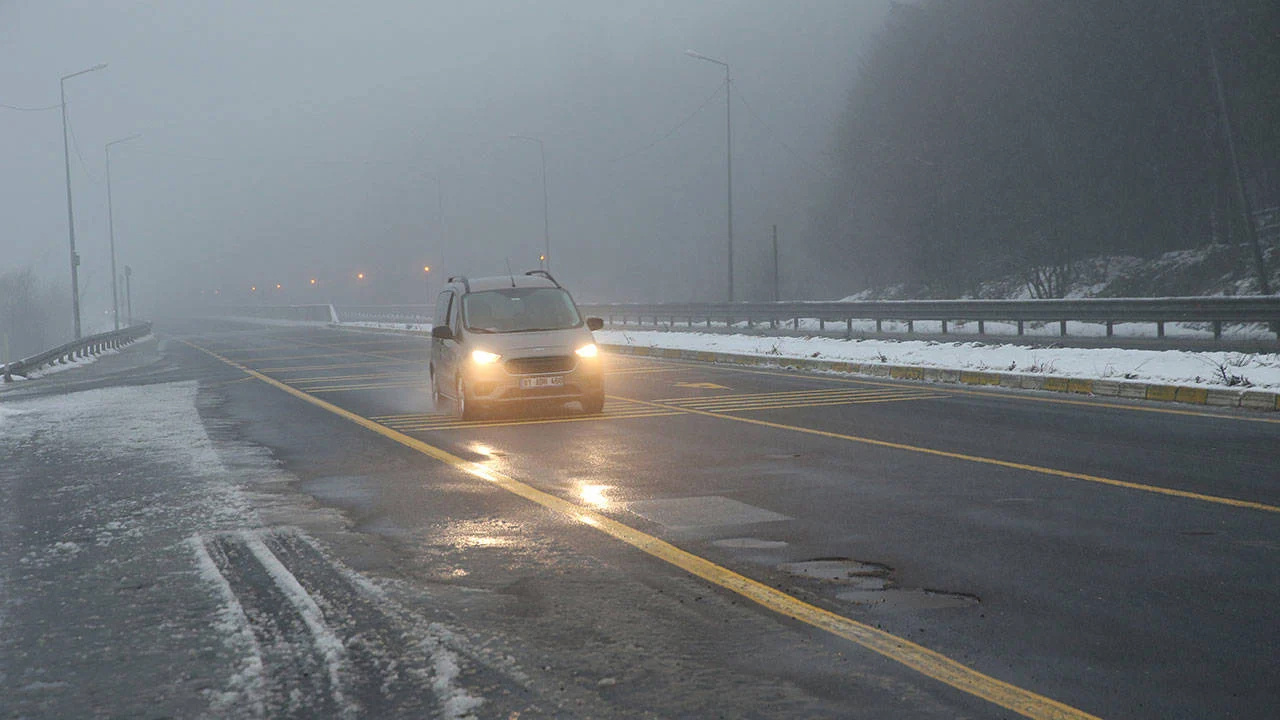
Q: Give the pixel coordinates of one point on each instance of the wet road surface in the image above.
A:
(738, 543)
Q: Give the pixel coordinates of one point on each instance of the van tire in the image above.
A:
(593, 404)
(464, 403)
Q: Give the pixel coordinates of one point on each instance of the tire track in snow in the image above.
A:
(330, 643)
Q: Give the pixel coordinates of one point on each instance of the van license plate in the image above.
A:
(539, 382)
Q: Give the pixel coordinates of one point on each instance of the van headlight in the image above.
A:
(484, 357)
(588, 351)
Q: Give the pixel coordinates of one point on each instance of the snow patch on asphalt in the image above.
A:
(456, 703)
(1178, 367)
(330, 647)
(245, 689)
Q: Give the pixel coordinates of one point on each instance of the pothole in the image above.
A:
(900, 599)
(836, 569)
(749, 544)
(871, 584)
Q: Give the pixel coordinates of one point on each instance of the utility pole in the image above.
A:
(71, 218)
(546, 224)
(111, 229)
(128, 292)
(1242, 197)
(728, 144)
(776, 296)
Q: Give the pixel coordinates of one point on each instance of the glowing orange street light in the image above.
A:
(359, 276)
(313, 281)
(253, 289)
(277, 286)
(426, 268)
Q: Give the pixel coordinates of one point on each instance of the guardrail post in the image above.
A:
(848, 328)
(1160, 329)
(795, 323)
(944, 327)
(1111, 330)
(1062, 328)
(911, 326)
(822, 324)
(750, 323)
(1020, 327)
(982, 327)
(1217, 329)
(878, 324)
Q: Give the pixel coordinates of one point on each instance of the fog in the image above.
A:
(285, 141)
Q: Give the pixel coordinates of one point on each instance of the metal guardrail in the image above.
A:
(83, 347)
(421, 314)
(322, 313)
(1215, 311)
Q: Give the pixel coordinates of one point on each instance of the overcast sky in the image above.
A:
(283, 141)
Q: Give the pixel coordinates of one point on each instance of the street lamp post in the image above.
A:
(728, 143)
(426, 273)
(128, 292)
(111, 230)
(546, 226)
(71, 223)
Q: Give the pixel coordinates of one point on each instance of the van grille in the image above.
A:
(535, 365)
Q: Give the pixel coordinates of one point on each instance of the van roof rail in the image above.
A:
(462, 279)
(544, 273)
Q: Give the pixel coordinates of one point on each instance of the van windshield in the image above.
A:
(519, 310)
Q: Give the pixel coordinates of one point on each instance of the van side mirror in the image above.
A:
(594, 323)
(442, 332)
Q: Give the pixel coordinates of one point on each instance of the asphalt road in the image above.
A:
(730, 542)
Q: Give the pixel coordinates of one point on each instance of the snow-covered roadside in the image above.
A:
(1175, 367)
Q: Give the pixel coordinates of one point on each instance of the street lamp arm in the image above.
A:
(99, 66)
(700, 56)
(134, 136)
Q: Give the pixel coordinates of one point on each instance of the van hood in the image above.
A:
(535, 343)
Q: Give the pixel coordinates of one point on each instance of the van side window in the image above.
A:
(444, 304)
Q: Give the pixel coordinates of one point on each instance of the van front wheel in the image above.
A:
(464, 403)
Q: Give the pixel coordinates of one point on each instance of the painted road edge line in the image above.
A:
(917, 657)
(1185, 494)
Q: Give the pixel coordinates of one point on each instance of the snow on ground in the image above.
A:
(1173, 367)
(1176, 367)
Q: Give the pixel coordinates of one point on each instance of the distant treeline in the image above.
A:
(31, 316)
(986, 137)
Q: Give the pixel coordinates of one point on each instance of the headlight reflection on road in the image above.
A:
(594, 495)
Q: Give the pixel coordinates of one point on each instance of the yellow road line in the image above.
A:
(828, 396)
(917, 657)
(331, 366)
(357, 376)
(1013, 394)
(640, 371)
(820, 403)
(543, 421)
(782, 394)
(370, 386)
(311, 356)
(977, 459)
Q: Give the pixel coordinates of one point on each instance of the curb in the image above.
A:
(1214, 397)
